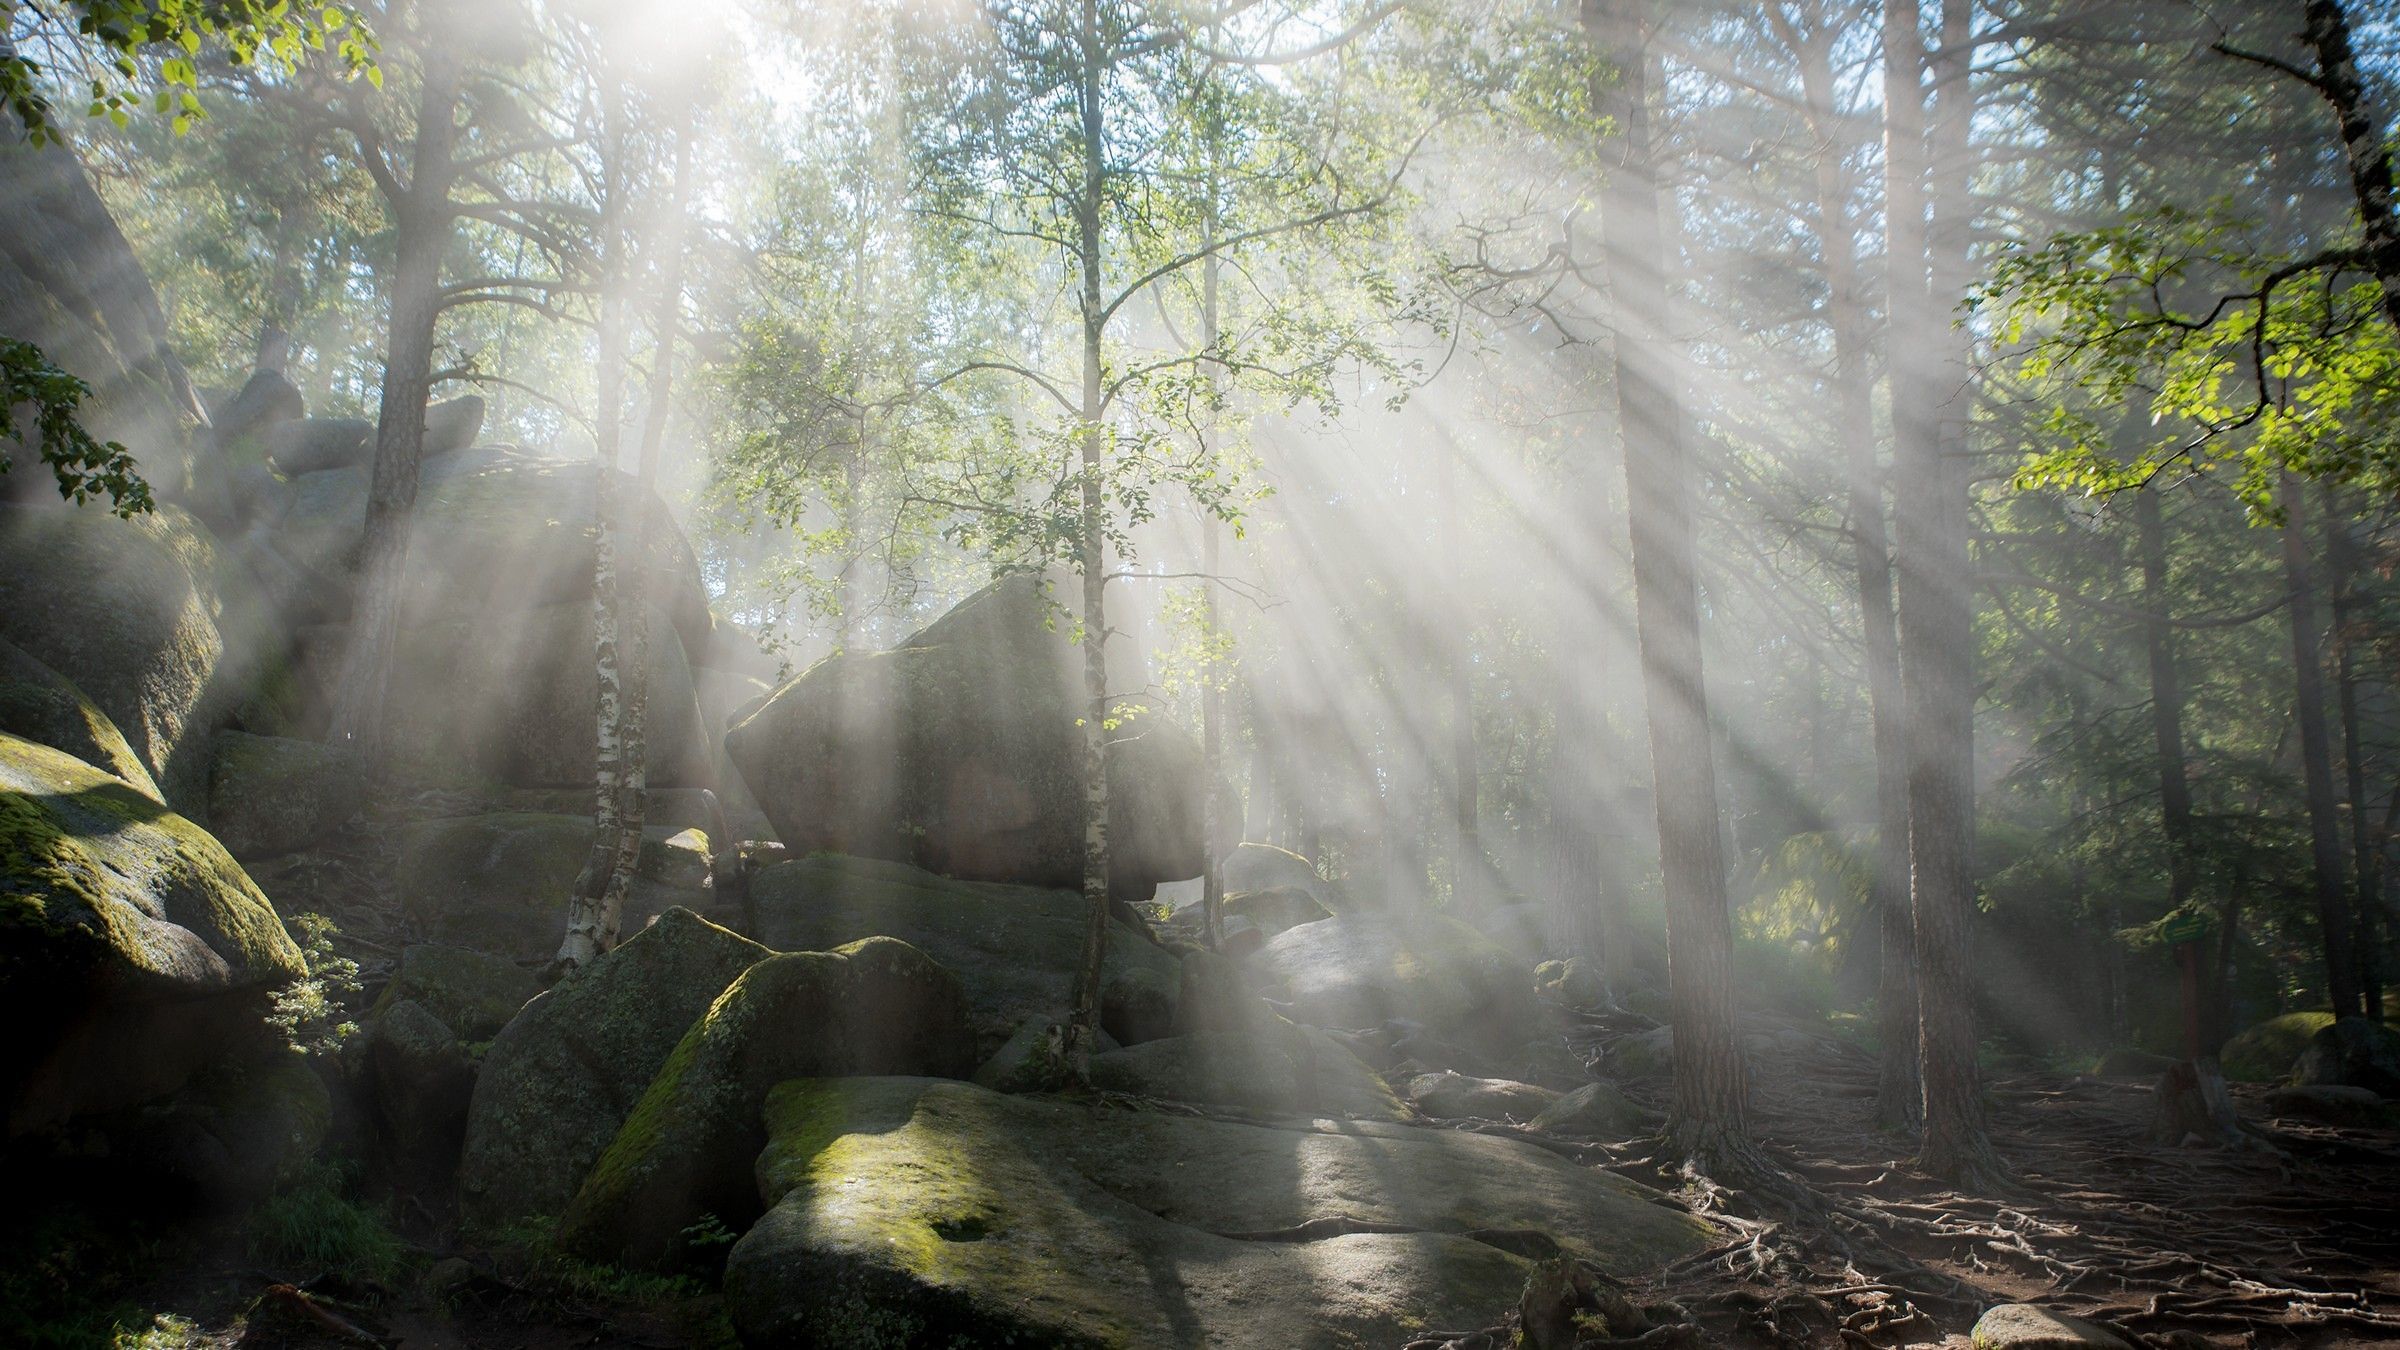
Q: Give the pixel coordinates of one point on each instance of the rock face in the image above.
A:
(1264, 867)
(314, 444)
(687, 1149)
(1367, 967)
(922, 1212)
(958, 751)
(452, 424)
(472, 993)
(420, 1081)
(2265, 1052)
(133, 949)
(43, 706)
(1595, 1110)
(560, 1079)
(1287, 1071)
(1015, 948)
(132, 613)
(499, 883)
(270, 794)
(2352, 1052)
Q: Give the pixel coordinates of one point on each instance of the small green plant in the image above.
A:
(311, 1012)
(315, 1224)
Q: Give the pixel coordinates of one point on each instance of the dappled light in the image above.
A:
(1430, 674)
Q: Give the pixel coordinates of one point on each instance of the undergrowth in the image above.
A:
(317, 1226)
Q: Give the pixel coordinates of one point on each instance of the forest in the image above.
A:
(1343, 674)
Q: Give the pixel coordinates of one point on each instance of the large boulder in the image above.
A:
(558, 1082)
(686, 1152)
(499, 883)
(2022, 1326)
(1371, 966)
(472, 993)
(1448, 1095)
(273, 794)
(1015, 948)
(133, 950)
(1282, 1071)
(960, 751)
(133, 613)
(419, 1081)
(923, 1212)
(1264, 867)
(2265, 1052)
(43, 706)
(2352, 1052)
(306, 445)
(452, 424)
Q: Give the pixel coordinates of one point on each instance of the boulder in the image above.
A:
(1575, 983)
(2352, 1052)
(1595, 1110)
(959, 751)
(472, 993)
(43, 706)
(131, 611)
(266, 400)
(452, 424)
(133, 949)
(1644, 1054)
(686, 1151)
(499, 883)
(1367, 967)
(419, 1081)
(2333, 1105)
(1263, 867)
(272, 794)
(1290, 1071)
(2264, 1053)
(243, 1127)
(924, 1212)
(560, 1079)
(2022, 1326)
(308, 445)
(1546, 1060)
(1445, 1095)
(1015, 948)
(1276, 909)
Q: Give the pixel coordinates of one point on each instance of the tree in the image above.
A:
(1059, 126)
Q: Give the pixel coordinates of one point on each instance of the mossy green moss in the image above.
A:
(2264, 1053)
(44, 706)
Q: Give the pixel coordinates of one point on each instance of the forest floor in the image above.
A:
(2295, 1242)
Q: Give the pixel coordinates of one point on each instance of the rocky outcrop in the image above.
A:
(1371, 966)
(1448, 1095)
(558, 1082)
(472, 993)
(923, 1212)
(419, 1081)
(686, 1151)
(43, 706)
(2352, 1052)
(1264, 867)
(2022, 1326)
(133, 949)
(1595, 1110)
(133, 613)
(959, 751)
(1014, 948)
(499, 883)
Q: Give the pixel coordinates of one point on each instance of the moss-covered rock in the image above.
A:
(243, 1127)
(1370, 966)
(926, 1213)
(960, 751)
(472, 993)
(1255, 867)
(2352, 1052)
(2022, 1326)
(1575, 983)
(419, 1080)
(1276, 909)
(2264, 1053)
(499, 883)
(272, 794)
(1595, 1110)
(130, 612)
(560, 1079)
(43, 706)
(1288, 1071)
(685, 1153)
(132, 947)
(1014, 948)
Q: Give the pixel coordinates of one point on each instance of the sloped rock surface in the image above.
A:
(921, 1212)
(1367, 967)
(1286, 1071)
(43, 706)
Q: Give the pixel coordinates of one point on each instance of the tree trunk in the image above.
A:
(588, 928)
(2341, 559)
(2366, 152)
(422, 217)
(2316, 764)
(1212, 695)
(1466, 844)
(1899, 1094)
(2166, 702)
(1936, 605)
(1091, 562)
(1707, 1118)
